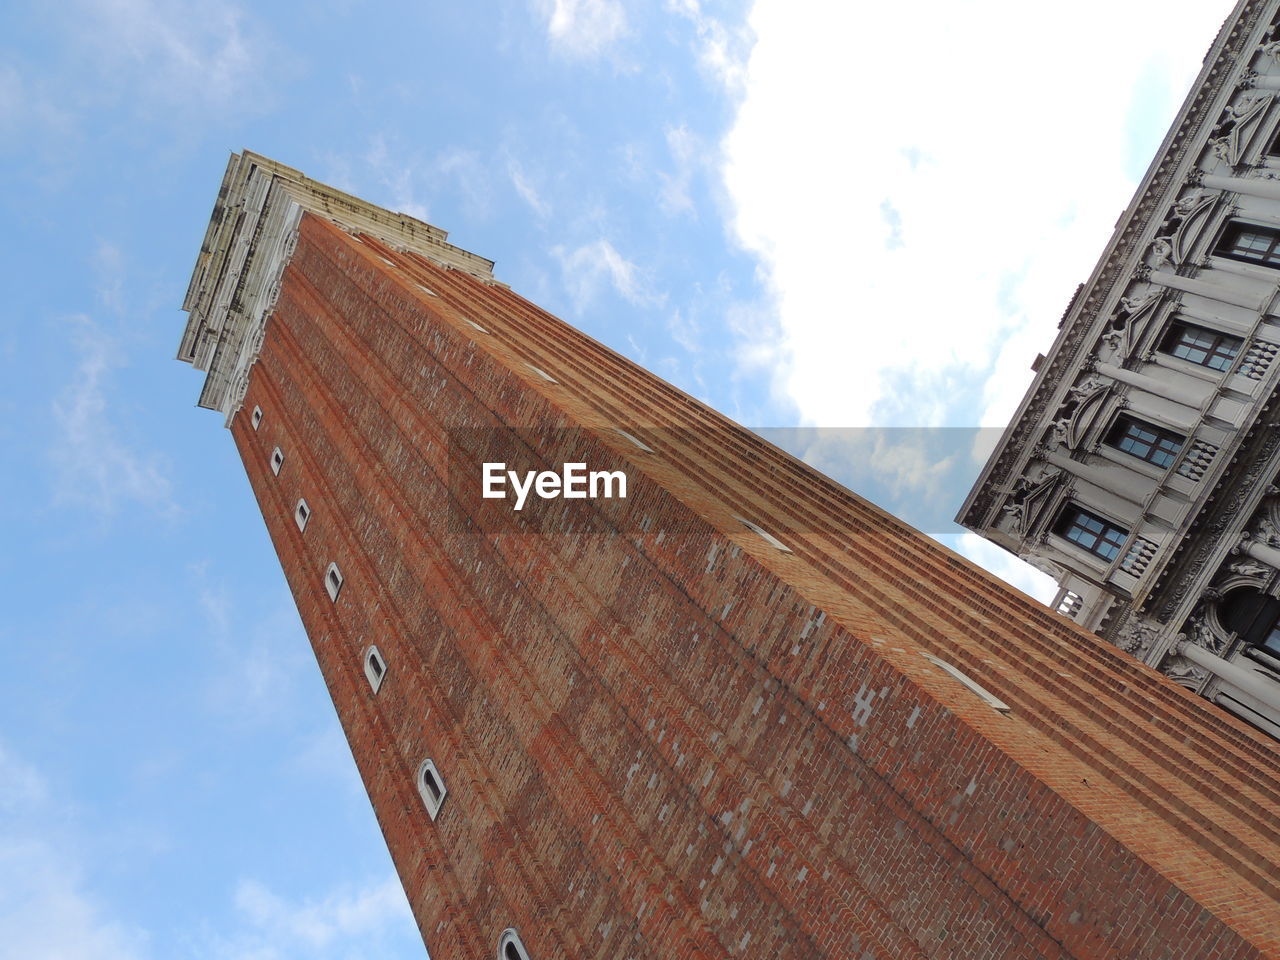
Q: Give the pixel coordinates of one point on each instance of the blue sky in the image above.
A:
(807, 214)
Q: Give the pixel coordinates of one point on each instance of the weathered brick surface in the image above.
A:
(665, 738)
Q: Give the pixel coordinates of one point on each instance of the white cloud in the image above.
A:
(47, 911)
(1004, 565)
(263, 659)
(280, 929)
(46, 914)
(686, 153)
(326, 755)
(395, 178)
(587, 268)
(21, 785)
(922, 219)
(109, 272)
(472, 178)
(177, 50)
(528, 193)
(583, 29)
(95, 468)
(722, 50)
(27, 114)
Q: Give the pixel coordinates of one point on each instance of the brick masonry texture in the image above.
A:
(664, 737)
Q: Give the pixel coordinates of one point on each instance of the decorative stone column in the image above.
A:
(1123, 483)
(1260, 551)
(1246, 681)
(1250, 186)
(1212, 291)
(1184, 394)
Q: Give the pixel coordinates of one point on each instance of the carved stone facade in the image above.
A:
(1139, 470)
(250, 238)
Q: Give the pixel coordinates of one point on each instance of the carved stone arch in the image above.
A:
(1246, 613)
(1192, 223)
(1219, 637)
(1086, 413)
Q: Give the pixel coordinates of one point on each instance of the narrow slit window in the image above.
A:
(763, 534)
(483, 330)
(635, 440)
(256, 418)
(542, 373)
(987, 697)
(510, 946)
(375, 667)
(301, 514)
(277, 460)
(333, 581)
(431, 787)
(427, 290)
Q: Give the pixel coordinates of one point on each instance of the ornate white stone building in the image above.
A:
(1141, 469)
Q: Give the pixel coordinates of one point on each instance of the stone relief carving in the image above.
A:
(1044, 566)
(1238, 122)
(1248, 567)
(1136, 637)
(1136, 305)
(1257, 458)
(1058, 430)
(1183, 671)
(1027, 500)
(1161, 253)
(1221, 148)
(1130, 321)
(1201, 634)
(1187, 204)
(1077, 413)
(1190, 213)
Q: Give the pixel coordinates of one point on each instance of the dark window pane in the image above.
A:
(1271, 643)
(1205, 347)
(1145, 441)
(1251, 243)
(1092, 533)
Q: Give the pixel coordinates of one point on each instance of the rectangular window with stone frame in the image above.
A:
(1146, 441)
(1091, 532)
(1200, 345)
(1250, 243)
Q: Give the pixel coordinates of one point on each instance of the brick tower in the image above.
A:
(738, 713)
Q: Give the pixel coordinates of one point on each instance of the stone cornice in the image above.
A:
(1223, 65)
(248, 243)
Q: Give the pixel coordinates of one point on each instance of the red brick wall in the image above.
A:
(665, 738)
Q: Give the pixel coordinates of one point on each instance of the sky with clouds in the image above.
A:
(850, 225)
